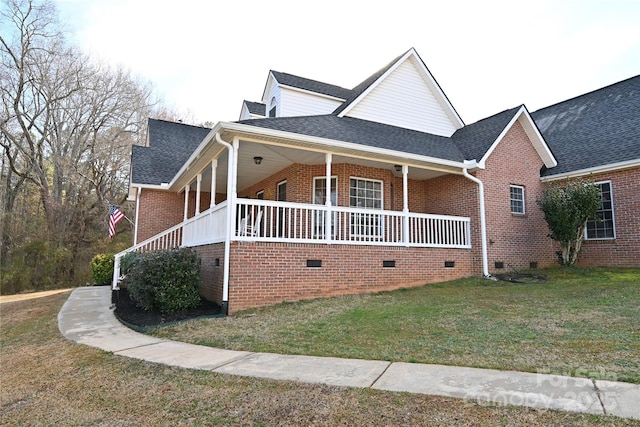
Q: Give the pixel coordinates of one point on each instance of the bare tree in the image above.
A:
(66, 126)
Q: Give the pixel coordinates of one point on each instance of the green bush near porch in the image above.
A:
(167, 281)
(102, 269)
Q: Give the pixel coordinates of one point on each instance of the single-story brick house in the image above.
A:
(320, 190)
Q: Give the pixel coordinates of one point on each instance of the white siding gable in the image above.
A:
(296, 102)
(408, 97)
(272, 90)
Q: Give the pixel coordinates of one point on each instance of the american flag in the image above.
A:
(114, 217)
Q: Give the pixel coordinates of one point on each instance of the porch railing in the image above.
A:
(270, 221)
(263, 220)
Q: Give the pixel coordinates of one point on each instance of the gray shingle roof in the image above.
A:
(366, 133)
(475, 139)
(595, 129)
(170, 145)
(257, 108)
(311, 85)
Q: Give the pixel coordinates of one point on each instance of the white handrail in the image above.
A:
(306, 223)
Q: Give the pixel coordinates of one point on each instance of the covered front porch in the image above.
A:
(254, 186)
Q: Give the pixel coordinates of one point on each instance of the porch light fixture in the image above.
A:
(398, 168)
(257, 160)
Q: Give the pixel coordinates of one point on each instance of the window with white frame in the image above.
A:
(604, 227)
(365, 194)
(272, 108)
(517, 199)
(320, 198)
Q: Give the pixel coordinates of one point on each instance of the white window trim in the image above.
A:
(524, 204)
(258, 193)
(613, 214)
(317, 219)
(372, 180)
(324, 178)
(283, 182)
(379, 231)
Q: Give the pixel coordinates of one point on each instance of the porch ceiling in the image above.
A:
(277, 157)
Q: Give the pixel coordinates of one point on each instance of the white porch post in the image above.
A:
(214, 167)
(405, 204)
(327, 219)
(198, 189)
(186, 201)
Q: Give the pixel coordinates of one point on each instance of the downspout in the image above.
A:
(483, 223)
(227, 239)
(135, 228)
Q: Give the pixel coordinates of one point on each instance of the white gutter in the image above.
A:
(227, 238)
(483, 222)
(594, 170)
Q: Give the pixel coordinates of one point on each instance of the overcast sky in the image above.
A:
(205, 57)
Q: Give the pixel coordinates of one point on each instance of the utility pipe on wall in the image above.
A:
(483, 222)
(230, 229)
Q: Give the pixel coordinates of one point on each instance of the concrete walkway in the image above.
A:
(87, 319)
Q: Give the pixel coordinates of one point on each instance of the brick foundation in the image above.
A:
(270, 273)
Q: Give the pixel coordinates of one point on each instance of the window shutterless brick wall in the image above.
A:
(211, 271)
(159, 210)
(624, 250)
(515, 239)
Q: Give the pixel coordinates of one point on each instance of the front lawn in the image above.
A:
(48, 380)
(581, 322)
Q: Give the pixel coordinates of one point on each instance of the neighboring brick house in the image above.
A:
(320, 190)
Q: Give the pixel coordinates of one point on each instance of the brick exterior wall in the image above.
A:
(211, 271)
(300, 179)
(270, 273)
(162, 209)
(442, 200)
(515, 239)
(159, 210)
(624, 250)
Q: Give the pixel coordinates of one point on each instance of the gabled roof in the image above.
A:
(257, 108)
(170, 146)
(593, 130)
(478, 140)
(366, 84)
(360, 93)
(311, 85)
(366, 133)
(474, 140)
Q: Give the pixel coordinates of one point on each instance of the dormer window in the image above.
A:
(272, 107)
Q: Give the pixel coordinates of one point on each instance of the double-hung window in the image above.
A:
(517, 199)
(604, 227)
(367, 195)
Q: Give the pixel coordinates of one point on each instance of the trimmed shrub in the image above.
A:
(167, 281)
(128, 261)
(102, 269)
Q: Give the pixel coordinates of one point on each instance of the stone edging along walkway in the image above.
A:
(87, 319)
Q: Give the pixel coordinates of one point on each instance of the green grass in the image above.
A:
(48, 380)
(581, 322)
